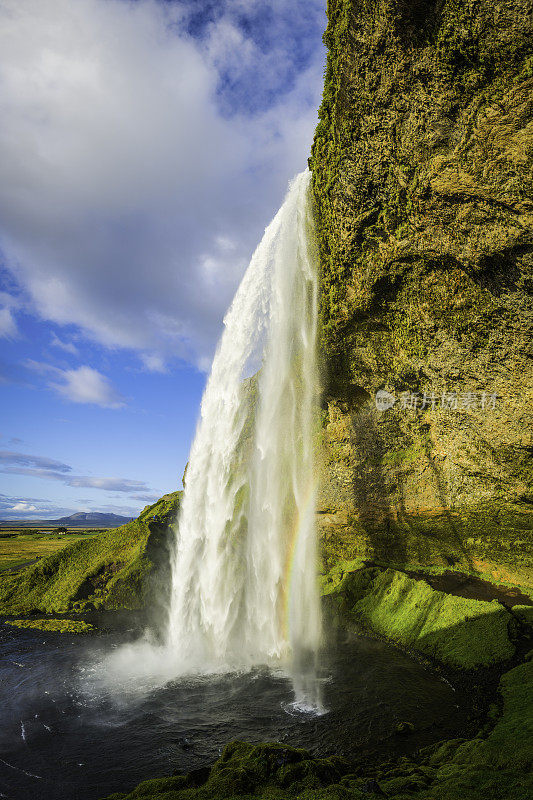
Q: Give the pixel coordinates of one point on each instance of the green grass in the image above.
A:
(107, 571)
(53, 625)
(21, 548)
(457, 631)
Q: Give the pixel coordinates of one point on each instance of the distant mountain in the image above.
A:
(83, 519)
(93, 518)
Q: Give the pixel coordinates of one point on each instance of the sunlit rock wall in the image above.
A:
(422, 177)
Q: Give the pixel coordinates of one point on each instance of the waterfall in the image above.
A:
(244, 589)
(244, 567)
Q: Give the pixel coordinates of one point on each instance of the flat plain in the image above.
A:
(20, 547)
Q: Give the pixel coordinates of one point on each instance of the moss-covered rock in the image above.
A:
(113, 570)
(247, 770)
(498, 765)
(422, 177)
(456, 631)
(53, 625)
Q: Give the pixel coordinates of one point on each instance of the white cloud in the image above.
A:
(14, 463)
(109, 484)
(8, 326)
(23, 507)
(67, 347)
(123, 173)
(87, 385)
(153, 362)
(80, 385)
(17, 461)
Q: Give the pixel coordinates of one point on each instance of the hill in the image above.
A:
(82, 519)
(116, 569)
(94, 518)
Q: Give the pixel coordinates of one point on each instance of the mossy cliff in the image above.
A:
(451, 627)
(118, 569)
(422, 178)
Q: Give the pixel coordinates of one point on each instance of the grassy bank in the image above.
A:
(457, 631)
(53, 625)
(114, 570)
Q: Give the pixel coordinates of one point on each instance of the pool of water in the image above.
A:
(60, 739)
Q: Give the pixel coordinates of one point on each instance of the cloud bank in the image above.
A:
(15, 463)
(144, 146)
(80, 385)
(28, 509)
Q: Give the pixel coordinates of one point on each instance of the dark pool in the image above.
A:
(60, 742)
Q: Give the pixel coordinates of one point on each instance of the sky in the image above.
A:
(144, 147)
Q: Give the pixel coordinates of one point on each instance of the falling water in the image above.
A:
(244, 587)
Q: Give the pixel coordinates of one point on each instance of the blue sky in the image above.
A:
(144, 147)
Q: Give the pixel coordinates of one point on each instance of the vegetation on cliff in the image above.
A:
(422, 177)
(457, 631)
(109, 571)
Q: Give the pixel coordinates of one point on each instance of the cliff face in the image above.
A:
(422, 177)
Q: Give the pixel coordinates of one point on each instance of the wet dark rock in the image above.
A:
(199, 776)
(185, 743)
(372, 787)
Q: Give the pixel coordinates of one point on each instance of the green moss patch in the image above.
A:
(457, 631)
(495, 766)
(53, 625)
(510, 744)
(246, 770)
(340, 578)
